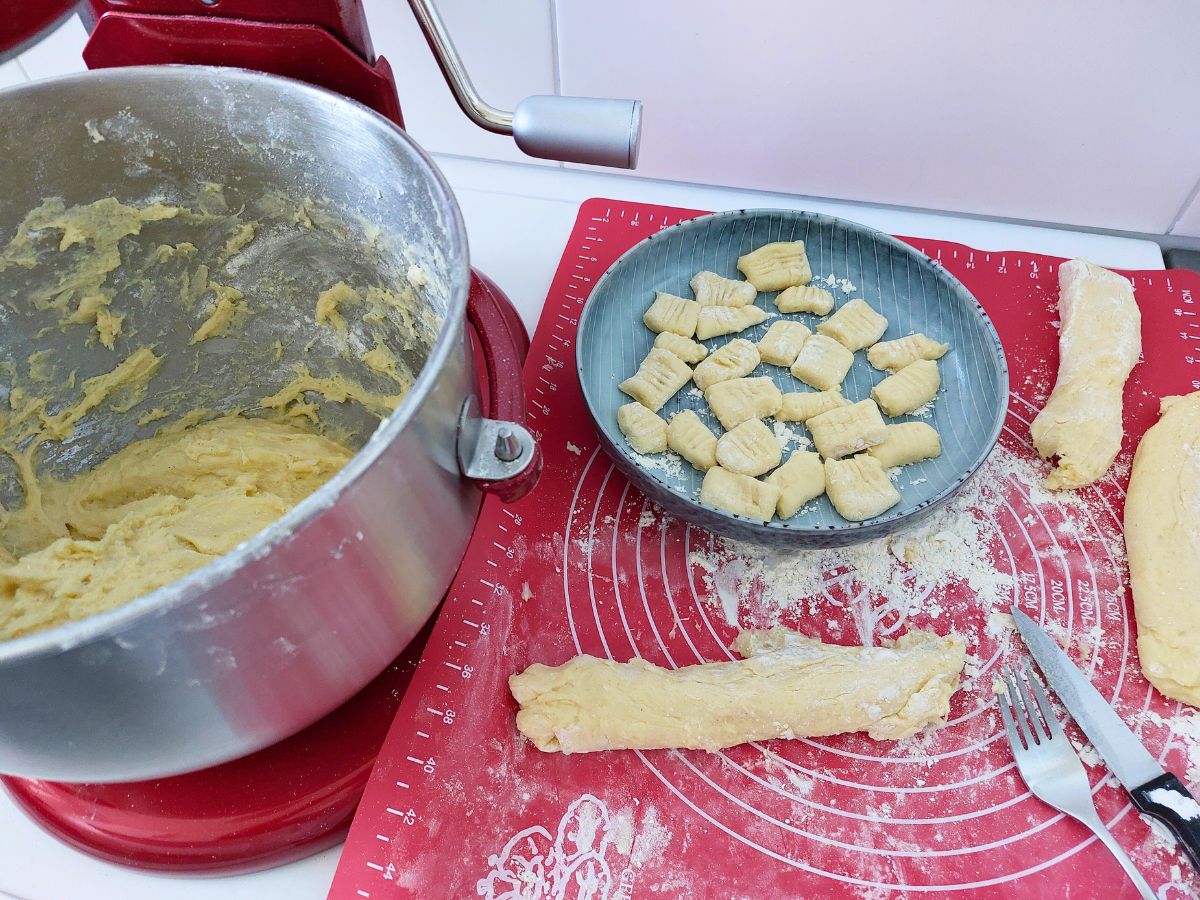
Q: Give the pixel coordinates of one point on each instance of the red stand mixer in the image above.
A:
(298, 796)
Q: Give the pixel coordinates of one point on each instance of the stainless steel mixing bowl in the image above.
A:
(261, 643)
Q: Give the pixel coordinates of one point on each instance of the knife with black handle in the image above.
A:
(1154, 791)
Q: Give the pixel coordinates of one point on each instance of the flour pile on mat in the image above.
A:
(910, 569)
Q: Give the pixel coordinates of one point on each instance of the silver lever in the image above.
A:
(589, 130)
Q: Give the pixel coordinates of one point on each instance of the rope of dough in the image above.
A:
(1098, 346)
(1162, 539)
(787, 686)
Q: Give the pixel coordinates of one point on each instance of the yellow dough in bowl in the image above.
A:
(151, 513)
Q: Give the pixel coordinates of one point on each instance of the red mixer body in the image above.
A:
(323, 42)
(297, 797)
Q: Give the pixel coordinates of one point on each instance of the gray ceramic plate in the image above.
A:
(914, 294)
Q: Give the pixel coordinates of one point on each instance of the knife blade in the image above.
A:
(1154, 791)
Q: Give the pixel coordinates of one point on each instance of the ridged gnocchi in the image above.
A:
(739, 399)
(673, 314)
(645, 431)
(892, 356)
(799, 480)
(859, 488)
(804, 298)
(907, 442)
(855, 325)
(822, 363)
(739, 494)
(773, 267)
(910, 388)
(713, 290)
(800, 406)
(735, 360)
(848, 429)
(688, 436)
(658, 379)
(686, 349)
(714, 321)
(781, 344)
(749, 449)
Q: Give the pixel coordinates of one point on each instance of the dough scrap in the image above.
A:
(800, 406)
(909, 389)
(786, 686)
(657, 380)
(1098, 347)
(773, 267)
(688, 436)
(892, 356)
(739, 399)
(736, 359)
(781, 344)
(715, 321)
(685, 348)
(822, 363)
(906, 443)
(713, 290)
(848, 429)
(859, 488)
(1162, 537)
(749, 449)
(673, 314)
(805, 299)
(739, 494)
(645, 431)
(799, 480)
(855, 325)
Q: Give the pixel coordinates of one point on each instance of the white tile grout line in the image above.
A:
(1191, 198)
(555, 56)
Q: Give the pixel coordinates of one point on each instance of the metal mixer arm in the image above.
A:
(590, 130)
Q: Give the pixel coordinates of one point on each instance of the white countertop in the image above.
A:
(518, 219)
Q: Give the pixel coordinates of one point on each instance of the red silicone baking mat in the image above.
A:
(460, 805)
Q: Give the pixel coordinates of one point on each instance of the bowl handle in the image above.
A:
(495, 449)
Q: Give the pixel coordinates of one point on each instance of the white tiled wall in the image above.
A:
(1077, 112)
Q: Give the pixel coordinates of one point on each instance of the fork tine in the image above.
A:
(1010, 727)
(1056, 729)
(1019, 713)
(1040, 730)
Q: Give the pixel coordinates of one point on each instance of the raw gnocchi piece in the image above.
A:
(800, 406)
(892, 356)
(686, 349)
(799, 480)
(908, 442)
(773, 267)
(714, 321)
(739, 494)
(644, 430)
(657, 379)
(859, 488)
(822, 363)
(739, 399)
(848, 429)
(735, 360)
(805, 299)
(673, 314)
(713, 290)
(855, 325)
(913, 386)
(688, 436)
(781, 344)
(749, 449)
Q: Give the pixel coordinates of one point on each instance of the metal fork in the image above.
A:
(1050, 766)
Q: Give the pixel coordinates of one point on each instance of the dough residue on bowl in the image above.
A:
(212, 399)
